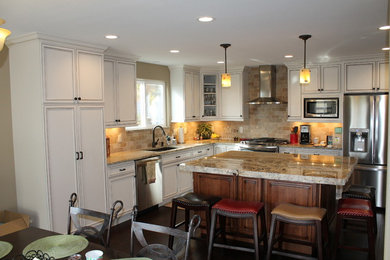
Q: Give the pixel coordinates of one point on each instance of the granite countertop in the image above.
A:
(333, 170)
(132, 155)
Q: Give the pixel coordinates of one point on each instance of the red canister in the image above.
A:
(293, 138)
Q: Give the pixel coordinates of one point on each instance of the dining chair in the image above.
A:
(78, 215)
(160, 251)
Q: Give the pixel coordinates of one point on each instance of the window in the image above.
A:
(151, 108)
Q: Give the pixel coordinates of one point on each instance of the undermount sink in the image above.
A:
(160, 149)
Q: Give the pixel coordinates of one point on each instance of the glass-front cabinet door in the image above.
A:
(209, 95)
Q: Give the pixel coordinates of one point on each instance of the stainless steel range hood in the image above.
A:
(267, 94)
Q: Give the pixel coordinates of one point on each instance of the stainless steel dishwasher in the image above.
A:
(148, 183)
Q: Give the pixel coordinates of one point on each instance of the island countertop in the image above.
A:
(320, 169)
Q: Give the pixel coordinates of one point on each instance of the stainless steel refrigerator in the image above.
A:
(365, 137)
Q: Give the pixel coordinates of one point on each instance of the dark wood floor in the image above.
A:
(120, 239)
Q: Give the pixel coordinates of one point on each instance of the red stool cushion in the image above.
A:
(239, 207)
(355, 207)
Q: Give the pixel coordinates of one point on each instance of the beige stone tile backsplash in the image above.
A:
(263, 121)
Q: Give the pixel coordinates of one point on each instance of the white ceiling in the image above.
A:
(260, 31)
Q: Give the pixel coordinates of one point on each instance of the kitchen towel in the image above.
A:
(149, 172)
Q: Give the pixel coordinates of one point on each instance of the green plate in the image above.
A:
(58, 246)
(5, 248)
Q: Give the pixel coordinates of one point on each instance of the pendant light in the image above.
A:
(3, 34)
(226, 78)
(304, 74)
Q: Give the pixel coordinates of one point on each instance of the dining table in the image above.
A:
(20, 239)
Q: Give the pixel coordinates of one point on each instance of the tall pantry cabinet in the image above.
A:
(58, 127)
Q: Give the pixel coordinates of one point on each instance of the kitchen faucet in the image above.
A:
(154, 129)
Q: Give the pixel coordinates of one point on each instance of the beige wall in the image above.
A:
(7, 172)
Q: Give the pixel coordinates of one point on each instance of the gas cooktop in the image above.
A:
(263, 144)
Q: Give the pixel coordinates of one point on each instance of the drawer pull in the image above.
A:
(200, 152)
(177, 157)
(123, 169)
(316, 154)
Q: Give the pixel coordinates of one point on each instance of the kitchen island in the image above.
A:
(306, 180)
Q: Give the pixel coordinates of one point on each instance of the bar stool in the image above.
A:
(356, 209)
(238, 209)
(191, 201)
(293, 214)
(365, 193)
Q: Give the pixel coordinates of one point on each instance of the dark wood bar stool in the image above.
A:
(293, 214)
(365, 193)
(191, 201)
(238, 209)
(356, 209)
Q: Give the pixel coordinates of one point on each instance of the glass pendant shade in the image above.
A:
(226, 80)
(3, 35)
(304, 76)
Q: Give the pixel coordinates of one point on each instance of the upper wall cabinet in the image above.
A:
(294, 96)
(324, 79)
(224, 103)
(185, 84)
(120, 107)
(314, 86)
(72, 75)
(366, 76)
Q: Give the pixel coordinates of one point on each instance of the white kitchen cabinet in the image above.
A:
(310, 151)
(330, 78)
(119, 92)
(72, 75)
(59, 144)
(359, 77)
(203, 151)
(294, 96)
(221, 148)
(75, 159)
(210, 96)
(169, 173)
(121, 185)
(314, 86)
(232, 101)
(286, 150)
(185, 97)
(175, 181)
(383, 77)
(228, 103)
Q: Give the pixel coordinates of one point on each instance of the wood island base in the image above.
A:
(272, 193)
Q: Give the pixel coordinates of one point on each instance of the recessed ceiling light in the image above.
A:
(205, 19)
(386, 49)
(174, 51)
(385, 27)
(220, 62)
(288, 56)
(111, 37)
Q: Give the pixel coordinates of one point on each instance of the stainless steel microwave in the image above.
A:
(321, 107)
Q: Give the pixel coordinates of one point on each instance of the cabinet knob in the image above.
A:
(240, 115)
(123, 169)
(377, 88)
(75, 98)
(77, 156)
(373, 88)
(177, 157)
(193, 116)
(79, 98)
(81, 155)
